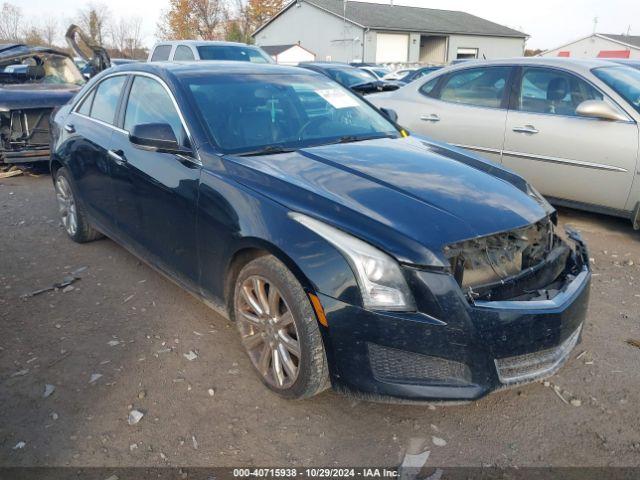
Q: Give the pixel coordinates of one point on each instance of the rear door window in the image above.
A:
(546, 90)
(183, 53)
(161, 53)
(106, 99)
(428, 87)
(85, 106)
(481, 87)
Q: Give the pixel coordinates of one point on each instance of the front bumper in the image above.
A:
(459, 350)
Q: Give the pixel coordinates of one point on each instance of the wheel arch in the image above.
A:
(248, 249)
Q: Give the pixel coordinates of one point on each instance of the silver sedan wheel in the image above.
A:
(66, 205)
(268, 331)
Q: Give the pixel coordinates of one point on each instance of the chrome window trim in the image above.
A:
(100, 122)
(565, 161)
(121, 130)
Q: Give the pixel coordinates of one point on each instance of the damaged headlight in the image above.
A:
(485, 260)
(382, 285)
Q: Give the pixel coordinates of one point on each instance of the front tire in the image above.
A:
(279, 330)
(72, 214)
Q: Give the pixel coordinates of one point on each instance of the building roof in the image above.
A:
(632, 40)
(409, 19)
(277, 49)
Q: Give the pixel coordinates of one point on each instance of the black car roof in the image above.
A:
(213, 67)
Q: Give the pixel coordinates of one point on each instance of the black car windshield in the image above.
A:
(624, 80)
(40, 68)
(245, 113)
(350, 76)
(237, 53)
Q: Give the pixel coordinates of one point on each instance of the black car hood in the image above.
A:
(400, 194)
(35, 95)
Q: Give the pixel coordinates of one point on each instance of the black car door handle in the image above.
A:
(70, 128)
(117, 156)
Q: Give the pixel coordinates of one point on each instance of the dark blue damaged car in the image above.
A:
(348, 252)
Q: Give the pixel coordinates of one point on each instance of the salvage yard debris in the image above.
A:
(12, 172)
(48, 390)
(633, 342)
(63, 285)
(191, 355)
(134, 417)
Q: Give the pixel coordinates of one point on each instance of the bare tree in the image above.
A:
(126, 36)
(10, 22)
(93, 19)
(33, 36)
(49, 31)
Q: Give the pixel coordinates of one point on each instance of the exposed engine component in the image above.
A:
(487, 259)
(526, 263)
(24, 134)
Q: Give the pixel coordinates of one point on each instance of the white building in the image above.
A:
(337, 30)
(599, 45)
(289, 54)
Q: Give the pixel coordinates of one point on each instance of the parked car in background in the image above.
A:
(629, 63)
(346, 252)
(570, 127)
(87, 70)
(398, 74)
(190, 50)
(354, 78)
(376, 71)
(33, 81)
(418, 73)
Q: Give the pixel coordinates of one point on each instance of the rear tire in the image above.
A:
(72, 214)
(279, 330)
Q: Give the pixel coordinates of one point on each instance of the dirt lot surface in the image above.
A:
(128, 328)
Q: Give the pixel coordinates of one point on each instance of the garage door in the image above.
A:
(391, 47)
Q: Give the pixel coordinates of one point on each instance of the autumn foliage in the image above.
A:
(215, 19)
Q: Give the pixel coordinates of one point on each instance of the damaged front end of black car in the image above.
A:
(33, 82)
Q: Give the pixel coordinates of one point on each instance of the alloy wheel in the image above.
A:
(268, 331)
(66, 205)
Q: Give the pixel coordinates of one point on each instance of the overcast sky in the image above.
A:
(550, 23)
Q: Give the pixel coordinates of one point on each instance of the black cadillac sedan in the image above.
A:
(348, 252)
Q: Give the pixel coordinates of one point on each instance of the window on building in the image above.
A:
(466, 53)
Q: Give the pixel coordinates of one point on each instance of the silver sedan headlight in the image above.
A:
(382, 285)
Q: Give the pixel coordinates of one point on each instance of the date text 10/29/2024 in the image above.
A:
(315, 473)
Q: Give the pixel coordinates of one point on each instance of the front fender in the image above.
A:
(233, 218)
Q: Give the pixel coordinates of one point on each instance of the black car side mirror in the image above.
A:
(158, 137)
(390, 114)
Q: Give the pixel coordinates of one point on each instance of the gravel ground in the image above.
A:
(130, 325)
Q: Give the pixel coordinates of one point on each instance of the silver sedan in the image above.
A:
(570, 127)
